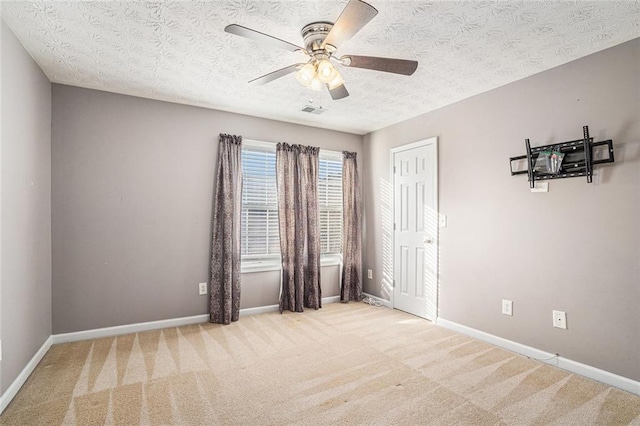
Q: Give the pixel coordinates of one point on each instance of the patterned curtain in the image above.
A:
(352, 226)
(297, 177)
(224, 302)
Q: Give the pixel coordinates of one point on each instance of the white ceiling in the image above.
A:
(178, 51)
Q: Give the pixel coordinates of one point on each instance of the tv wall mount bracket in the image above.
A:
(563, 160)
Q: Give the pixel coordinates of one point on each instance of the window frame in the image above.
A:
(262, 263)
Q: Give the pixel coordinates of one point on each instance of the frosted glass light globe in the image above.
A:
(337, 81)
(326, 71)
(305, 74)
(316, 84)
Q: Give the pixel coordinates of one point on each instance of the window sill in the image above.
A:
(252, 266)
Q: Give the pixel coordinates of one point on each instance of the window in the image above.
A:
(330, 204)
(260, 236)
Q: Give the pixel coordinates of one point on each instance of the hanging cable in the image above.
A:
(371, 301)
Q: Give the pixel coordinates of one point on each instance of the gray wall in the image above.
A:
(575, 248)
(25, 307)
(132, 189)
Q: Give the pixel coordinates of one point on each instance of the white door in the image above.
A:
(416, 228)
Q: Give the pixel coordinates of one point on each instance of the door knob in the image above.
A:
(428, 240)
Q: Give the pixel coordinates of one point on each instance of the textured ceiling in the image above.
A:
(178, 51)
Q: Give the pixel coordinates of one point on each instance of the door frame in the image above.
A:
(392, 152)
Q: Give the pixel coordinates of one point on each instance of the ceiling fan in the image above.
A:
(322, 40)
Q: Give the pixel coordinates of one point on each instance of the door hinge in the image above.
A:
(394, 226)
(394, 170)
(394, 283)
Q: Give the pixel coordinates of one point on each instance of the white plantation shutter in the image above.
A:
(260, 236)
(330, 204)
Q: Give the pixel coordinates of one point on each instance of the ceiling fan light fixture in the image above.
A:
(322, 40)
(326, 71)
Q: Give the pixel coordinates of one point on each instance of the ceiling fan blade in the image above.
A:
(241, 31)
(268, 78)
(338, 92)
(355, 15)
(396, 66)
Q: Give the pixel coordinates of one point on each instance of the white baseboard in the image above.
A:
(127, 329)
(154, 325)
(331, 299)
(275, 308)
(258, 310)
(383, 302)
(594, 373)
(13, 389)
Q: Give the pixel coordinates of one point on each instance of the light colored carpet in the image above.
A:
(343, 364)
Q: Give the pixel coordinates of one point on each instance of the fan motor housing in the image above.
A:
(314, 34)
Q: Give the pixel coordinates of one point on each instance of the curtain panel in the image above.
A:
(297, 181)
(224, 301)
(351, 288)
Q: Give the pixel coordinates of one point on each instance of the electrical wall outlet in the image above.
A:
(507, 307)
(560, 319)
(369, 274)
(202, 287)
